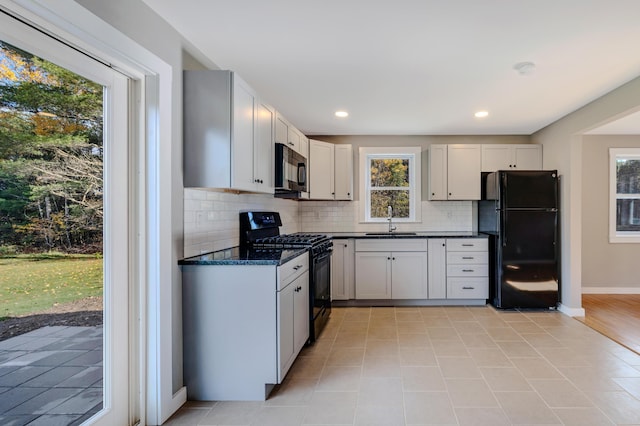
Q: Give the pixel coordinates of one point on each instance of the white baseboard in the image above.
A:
(572, 312)
(610, 290)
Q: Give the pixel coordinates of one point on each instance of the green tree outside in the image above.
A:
(389, 187)
(51, 160)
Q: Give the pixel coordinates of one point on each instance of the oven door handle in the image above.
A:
(322, 256)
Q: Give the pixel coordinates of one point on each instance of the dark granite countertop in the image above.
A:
(242, 256)
(385, 235)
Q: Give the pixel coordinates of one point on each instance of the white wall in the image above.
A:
(562, 150)
(606, 267)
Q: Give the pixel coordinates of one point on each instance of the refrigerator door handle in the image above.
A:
(503, 226)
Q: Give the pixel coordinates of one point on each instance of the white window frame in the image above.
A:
(413, 154)
(616, 236)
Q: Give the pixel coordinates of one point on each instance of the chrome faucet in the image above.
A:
(389, 216)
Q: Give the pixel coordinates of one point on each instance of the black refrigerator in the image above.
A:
(519, 210)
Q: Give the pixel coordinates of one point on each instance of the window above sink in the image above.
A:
(390, 176)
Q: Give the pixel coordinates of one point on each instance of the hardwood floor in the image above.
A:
(617, 316)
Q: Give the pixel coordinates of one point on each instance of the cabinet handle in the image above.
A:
(449, 193)
(467, 270)
(468, 257)
(393, 258)
(388, 258)
(467, 245)
(433, 194)
(295, 268)
(468, 288)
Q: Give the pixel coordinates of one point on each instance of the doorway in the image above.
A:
(112, 353)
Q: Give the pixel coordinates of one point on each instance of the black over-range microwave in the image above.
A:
(290, 172)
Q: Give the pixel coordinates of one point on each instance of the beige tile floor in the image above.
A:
(446, 366)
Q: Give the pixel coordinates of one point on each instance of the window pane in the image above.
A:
(628, 215)
(389, 172)
(397, 199)
(627, 176)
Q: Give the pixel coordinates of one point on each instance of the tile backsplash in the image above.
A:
(211, 217)
(343, 216)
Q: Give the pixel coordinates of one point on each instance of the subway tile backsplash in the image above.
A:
(211, 218)
(343, 216)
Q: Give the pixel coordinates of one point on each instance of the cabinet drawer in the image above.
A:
(467, 270)
(467, 288)
(290, 270)
(466, 244)
(467, 258)
(392, 244)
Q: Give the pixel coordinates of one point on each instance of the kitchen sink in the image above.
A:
(389, 234)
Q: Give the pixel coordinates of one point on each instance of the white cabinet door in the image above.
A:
(321, 171)
(244, 108)
(463, 172)
(286, 344)
(293, 138)
(281, 130)
(496, 157)
(300, 311)
(343, 172)
(511, 157)
(437, 268)
(263, 148)
(527, 157)
(373, 272)
(409, 275)
(304, 146)
(438, 172)
(342, 270)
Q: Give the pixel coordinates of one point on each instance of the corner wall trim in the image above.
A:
(572, 312)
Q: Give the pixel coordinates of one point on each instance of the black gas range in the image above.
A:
(261, 230)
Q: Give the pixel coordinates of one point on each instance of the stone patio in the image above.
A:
(51, 376)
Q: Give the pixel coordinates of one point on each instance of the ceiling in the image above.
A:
(418, 66)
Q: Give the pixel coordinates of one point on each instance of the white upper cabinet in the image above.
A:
(330, 171)
(282, 130)
(343, 172)
(228, 133)
(454, 172)
(511, 157)
(321, 170)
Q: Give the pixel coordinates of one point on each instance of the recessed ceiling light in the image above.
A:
(481, 114)
(342, 114)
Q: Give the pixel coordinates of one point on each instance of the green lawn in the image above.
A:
(35, 283)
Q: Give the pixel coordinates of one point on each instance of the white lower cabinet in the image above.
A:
(342, 269)
(293, 322)
(437, 268)
(391, 269)
(243, 327)
(431, 270)
(467, 268)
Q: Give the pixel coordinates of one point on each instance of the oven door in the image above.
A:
(320, 291)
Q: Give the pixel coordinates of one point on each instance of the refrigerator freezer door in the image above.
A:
(528, 259)
(529, 189)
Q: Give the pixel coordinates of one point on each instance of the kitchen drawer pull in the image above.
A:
(297, 289)
(468, 288)
(468, 270)
(297, 267)
(468, 245)
(468, 257)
